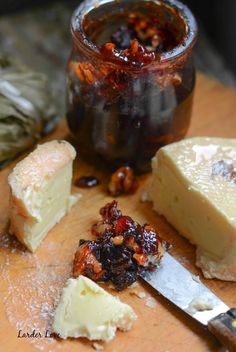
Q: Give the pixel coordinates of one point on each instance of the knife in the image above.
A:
(185, 290)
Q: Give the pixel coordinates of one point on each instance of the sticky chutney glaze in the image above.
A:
(121, 251)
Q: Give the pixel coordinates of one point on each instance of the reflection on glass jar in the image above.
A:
(130, 78)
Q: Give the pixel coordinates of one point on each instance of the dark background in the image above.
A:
(219, 20)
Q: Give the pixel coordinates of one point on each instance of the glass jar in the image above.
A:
(126, 100)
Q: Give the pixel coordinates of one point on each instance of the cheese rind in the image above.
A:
(40, 191)
(197, 202)
(87, 310)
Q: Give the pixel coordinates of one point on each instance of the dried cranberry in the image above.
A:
(87, 182)
(110, 212)
(117, 79)
(116, 259)
(136, 54)
(124, 279)
(123, 223)
(148, 240)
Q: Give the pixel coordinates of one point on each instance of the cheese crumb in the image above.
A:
(97, 346)
(141, 294)
(145, 197)
(150, 302)
(200, 304)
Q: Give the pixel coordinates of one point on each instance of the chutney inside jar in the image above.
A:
(130, 78)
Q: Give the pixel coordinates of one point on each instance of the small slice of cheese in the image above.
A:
(86, 310)
(41, 191)
(194, 187)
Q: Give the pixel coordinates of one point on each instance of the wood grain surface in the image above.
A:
(30, 284)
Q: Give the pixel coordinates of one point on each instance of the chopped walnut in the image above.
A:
(140, 258)
(165, 79)
(85, 263)
(118, 240)
(86, 72)
(123, 181)
(97, 346)
(99, 228)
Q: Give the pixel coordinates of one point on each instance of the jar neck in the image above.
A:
(177, 56)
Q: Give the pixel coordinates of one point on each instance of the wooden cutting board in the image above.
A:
(30, 284)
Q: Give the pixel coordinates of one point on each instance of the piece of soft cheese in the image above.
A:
(41, 191)
(86, 310)
(194, 187)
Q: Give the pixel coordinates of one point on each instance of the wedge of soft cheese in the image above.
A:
(86, 310)
(41, 191)
(194, 187)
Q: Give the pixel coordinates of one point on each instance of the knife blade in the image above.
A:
(186, 291)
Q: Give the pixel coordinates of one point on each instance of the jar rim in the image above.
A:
(180, 50)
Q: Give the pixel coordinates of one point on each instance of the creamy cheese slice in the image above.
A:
(87, 310)
(194, 187)
(41, 191)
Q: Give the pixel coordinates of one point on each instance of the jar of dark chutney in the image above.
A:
(131, 78)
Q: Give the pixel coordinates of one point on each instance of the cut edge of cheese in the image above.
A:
(87, 310)
(41, 192)
(190, 210)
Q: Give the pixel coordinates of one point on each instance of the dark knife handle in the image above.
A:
(223, 327)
